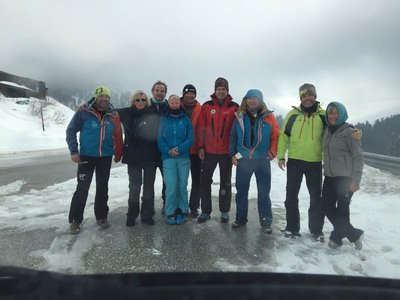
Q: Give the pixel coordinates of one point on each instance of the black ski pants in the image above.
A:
(86, 167)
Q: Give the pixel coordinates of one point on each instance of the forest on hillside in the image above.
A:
(382, 137)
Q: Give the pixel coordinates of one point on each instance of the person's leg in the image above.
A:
(171, 183)
(149, 177)
(329, 200)
(209, 165)
(263, 177)
(294, 177)
(244, 171)
(225, 191)
(316, 216)
(135, 183)
(84, 178)
(183, 174)
(103, 167)
(195, 171)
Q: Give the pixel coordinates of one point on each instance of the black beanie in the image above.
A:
(189, 88)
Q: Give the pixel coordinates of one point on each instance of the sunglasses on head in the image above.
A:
(140, 100)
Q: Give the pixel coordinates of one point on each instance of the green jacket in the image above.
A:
(301, 135)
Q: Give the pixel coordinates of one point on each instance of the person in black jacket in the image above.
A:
(141, 154)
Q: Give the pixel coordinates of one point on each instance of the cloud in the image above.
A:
(349, 50)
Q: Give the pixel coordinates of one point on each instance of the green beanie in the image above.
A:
(102, 90)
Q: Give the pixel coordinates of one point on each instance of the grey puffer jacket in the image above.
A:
(343, 155)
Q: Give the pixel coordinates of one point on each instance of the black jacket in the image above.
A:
(140, 142)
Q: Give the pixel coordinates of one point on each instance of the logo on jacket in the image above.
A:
(213, 111)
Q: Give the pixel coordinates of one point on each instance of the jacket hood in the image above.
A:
(343, 116)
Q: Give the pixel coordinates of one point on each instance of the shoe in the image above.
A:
(333, 244)
(318, 237)
(74, 228)
(130, 221)
(194, 214)
(224, 217)
(290, 235)
(238, 224)
(358, 243)
(103, 223)
(148, 221)
(267, 229)
(171, 220)
(203, 218)
(180, 220)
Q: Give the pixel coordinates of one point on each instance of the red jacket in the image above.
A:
(215, 124)
(195, 120)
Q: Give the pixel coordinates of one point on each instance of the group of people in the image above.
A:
(179, 136)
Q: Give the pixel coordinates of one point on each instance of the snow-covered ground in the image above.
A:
(374, 209)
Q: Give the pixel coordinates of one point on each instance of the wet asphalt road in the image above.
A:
(212, 246)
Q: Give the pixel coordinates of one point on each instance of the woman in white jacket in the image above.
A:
(343, 165)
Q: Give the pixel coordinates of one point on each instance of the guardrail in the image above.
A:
(386, 163)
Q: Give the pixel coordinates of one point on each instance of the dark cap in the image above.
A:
(189, 88)
(221, 82)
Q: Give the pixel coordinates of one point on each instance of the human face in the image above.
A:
(253, 103)
(140, 102)
(333, 115)
(158, 92)
(174, 103)
(221, 93)
(307, 100)
(102, 102)
(189, 98)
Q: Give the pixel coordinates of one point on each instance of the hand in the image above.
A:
(81, 107)
(356, 134)
(75, 158)
(174, 152)
(201, 153)
(117, 159)
(235, 161)
(271, 155)
(282, 164)
(354, 187)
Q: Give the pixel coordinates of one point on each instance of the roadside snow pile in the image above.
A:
(21, 124)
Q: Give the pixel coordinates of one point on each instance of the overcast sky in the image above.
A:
(350, 49)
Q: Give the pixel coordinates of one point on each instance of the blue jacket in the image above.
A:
(98, 136)
(264, 135)
(175, 131)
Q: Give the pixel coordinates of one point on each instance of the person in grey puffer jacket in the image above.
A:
(343, 165)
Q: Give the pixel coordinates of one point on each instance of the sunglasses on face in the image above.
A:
(140, 100)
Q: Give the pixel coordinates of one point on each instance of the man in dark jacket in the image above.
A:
(213, 131)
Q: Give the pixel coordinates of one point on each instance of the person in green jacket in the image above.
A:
(301, 136)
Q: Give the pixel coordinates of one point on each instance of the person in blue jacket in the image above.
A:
(253, 144)
(175, 137)
(100, 138)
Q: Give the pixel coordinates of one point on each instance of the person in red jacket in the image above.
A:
(215, 122)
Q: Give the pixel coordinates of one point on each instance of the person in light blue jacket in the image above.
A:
(175, 137)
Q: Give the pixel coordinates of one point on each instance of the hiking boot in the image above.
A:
(194, 214)
(333, 244)
(74, 228)
(238, 224)
(267, 229)
(224, 217)
(130, 221)
(180, 220)
(103, 223)
(318, 237)
(203, 218)
(358, 243)
(148, 221)
(171, 220)
(290, 234)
